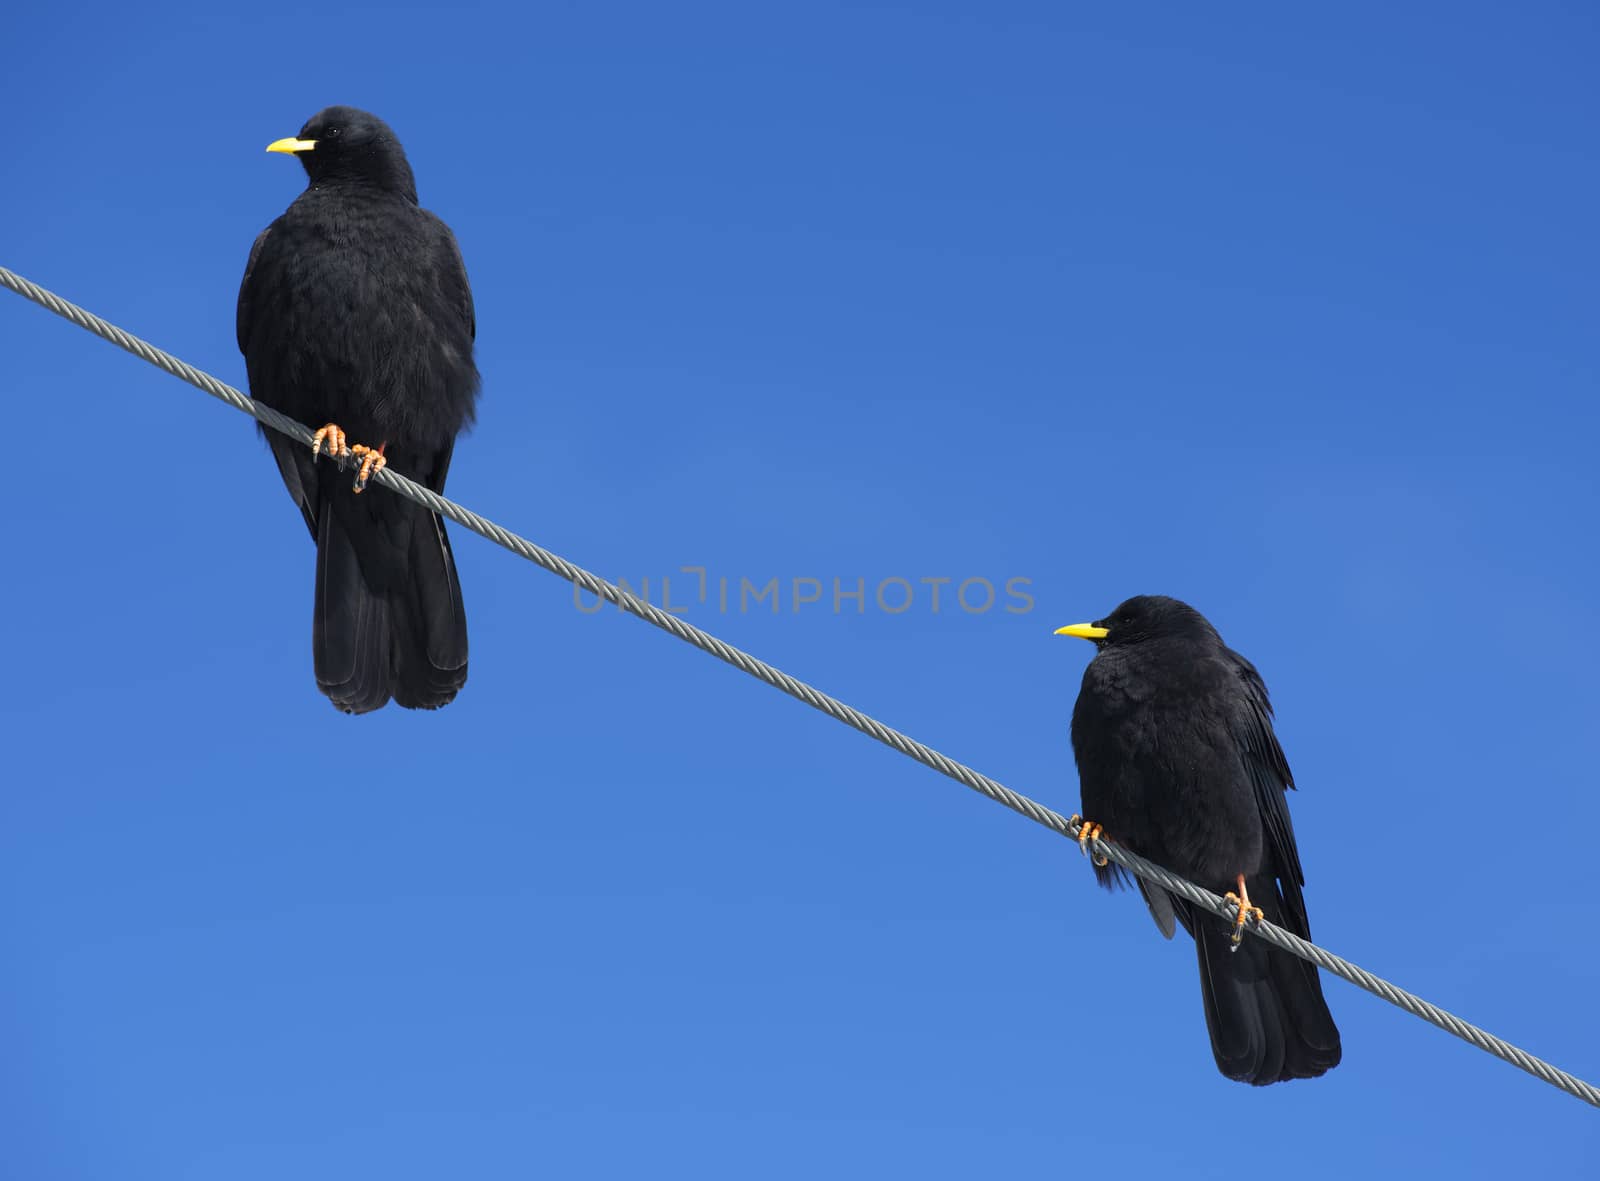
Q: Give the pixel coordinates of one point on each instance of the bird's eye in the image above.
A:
(332, 132)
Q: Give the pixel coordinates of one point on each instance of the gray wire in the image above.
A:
(815, 698)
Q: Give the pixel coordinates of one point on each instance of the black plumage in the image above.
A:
(355, 310)
(1178, 761)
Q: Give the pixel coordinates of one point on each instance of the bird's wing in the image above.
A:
(243, 317)
(1113, 877)
(1161, 906)
(294, 464)
(435, 478)
(457, 291)
(1269, 774)
(458, 296)
(453, 275)
(297, 466)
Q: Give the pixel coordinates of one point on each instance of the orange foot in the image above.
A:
(338, 447)
(372, 462)
(1241, 903)
(1088, 831)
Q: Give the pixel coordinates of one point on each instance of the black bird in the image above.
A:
(355, 311)
(1178, 762)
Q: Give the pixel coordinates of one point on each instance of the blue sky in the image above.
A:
(1289, 314)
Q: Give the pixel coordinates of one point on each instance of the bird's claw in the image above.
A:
(372, 462)
(1088, 831)
(338, 446)
(333, 439)
(1243, 911)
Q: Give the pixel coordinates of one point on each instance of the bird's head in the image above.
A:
(346, 145)
(1141, 618)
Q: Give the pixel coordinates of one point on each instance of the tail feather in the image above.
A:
(1264, 1007)
(397, 630)
(429, 627)
(350, 628)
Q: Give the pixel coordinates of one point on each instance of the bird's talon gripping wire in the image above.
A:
(1088, 831)
(1243, 912)
(338, 447)
(372, 462)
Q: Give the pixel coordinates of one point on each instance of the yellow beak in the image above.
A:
(291, 145)
(1084, 631)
